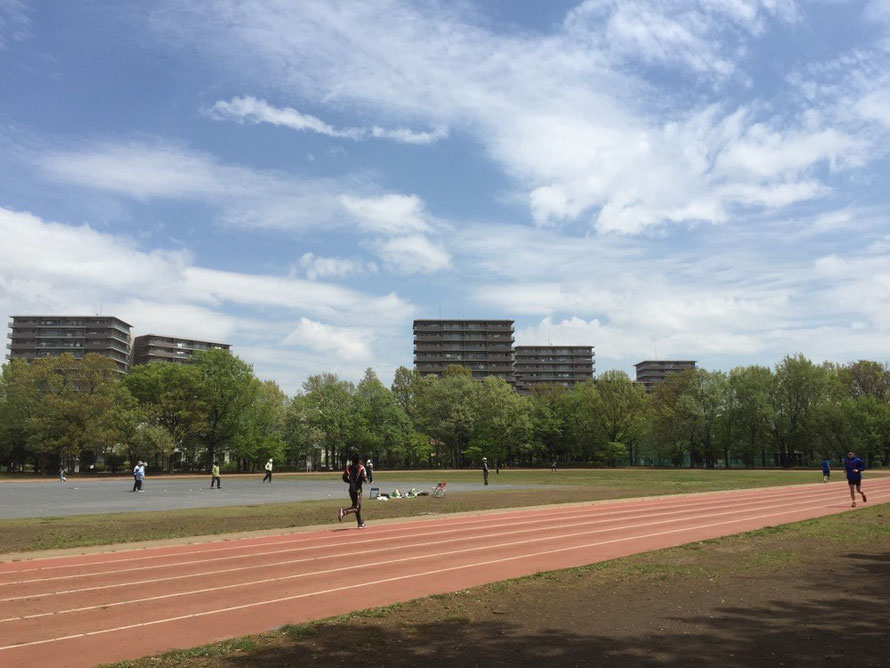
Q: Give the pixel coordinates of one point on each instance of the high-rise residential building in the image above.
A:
(37, 336)
(651, 372)
(562, 365)
(155, 348)
(485, 347)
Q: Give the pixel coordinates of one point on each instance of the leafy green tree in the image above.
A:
(503, 422)
(299, 439)
(799, 388)
(688, 408)
(172, 394)
(869, 420)
(19, 401)
(331, 416)
(550, 412)
(447, 411)
(261, 434)
(403, 389)
(620, 409)
(866, 378)
(228, 390)
(383, 428)
(750, 412)
(72, 399)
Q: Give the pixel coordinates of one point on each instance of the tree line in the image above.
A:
(62, 411)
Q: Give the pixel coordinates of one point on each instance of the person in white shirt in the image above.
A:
(138, 476)
(268, 475)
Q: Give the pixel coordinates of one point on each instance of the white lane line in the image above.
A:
(436, 531)
(189, 550)
(511, 530)
(398, 578)
(354, 565)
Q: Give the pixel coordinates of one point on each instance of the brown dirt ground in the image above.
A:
(814, 592)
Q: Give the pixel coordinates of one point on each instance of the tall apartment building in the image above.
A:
(651, 372)
(562, 365)
(36, 336)
(156, 348)
(485, 347)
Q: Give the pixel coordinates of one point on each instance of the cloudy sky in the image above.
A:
(692, 179)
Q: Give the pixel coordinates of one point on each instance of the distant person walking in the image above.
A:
(138, 476)
(62, 477)
(553, 466)
(214, 475)
(354, 475)
(497, 468)
(854, 466)
(485, 470)
(369, 468)
(268, 475)
(826, 470)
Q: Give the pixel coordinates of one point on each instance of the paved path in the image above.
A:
(88, 609)
(89, 497)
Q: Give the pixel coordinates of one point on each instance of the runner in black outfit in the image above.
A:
(354, 475)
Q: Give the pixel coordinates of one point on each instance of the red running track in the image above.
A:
(96, 608)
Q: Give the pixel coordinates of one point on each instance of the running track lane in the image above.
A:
(89, 609)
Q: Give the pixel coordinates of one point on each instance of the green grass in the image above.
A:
(564, 486)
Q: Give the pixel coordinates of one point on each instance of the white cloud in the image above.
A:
(321, 267)
(349, 343)
(15, 25)
(728, 299)
(568, 115)
(50, 267)
(388, 214)
(73, 257)
(414, 254)
(258, 199)
(250, 109)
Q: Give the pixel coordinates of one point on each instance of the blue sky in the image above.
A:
(696, 179)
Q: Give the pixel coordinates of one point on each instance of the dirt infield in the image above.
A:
(103, 607)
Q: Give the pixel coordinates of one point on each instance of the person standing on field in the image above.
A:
(138, 476)
(214, 475)
(854, 466)
(136, 485)
(826, 470)
(485, 470)
(268, 475)
(369, 469)
(354, 475)
(62, 477)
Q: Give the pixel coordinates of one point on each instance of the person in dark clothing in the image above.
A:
(826, 470)
(354, 475)
(485, 470)
(854, 466)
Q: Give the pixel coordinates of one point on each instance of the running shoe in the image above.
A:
(864, 500)
(854, 505)
(340, 515)
(362, 526)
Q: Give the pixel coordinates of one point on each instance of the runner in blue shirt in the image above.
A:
(826, 470)
(854, 466)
